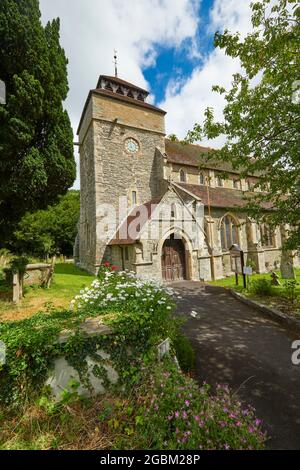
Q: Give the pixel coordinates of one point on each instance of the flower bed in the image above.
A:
(174, 412)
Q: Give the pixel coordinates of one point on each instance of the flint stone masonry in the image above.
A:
(62, 374)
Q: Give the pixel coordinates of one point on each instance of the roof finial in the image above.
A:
(116, 62)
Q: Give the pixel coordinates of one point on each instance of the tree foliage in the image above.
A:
(36, 140)
(51, 231)
(261, 116)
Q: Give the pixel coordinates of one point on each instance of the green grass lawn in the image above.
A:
(276, 299)
(68, 281)
(230, 281)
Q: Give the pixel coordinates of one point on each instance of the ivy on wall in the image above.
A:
(33, 344)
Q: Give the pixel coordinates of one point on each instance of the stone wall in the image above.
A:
(87, 222)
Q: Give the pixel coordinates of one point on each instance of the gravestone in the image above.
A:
(287, 267)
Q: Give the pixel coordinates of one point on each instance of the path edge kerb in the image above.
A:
(275, 314)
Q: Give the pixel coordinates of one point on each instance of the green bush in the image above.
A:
(290, 292)
(261, 287)
(184, 352)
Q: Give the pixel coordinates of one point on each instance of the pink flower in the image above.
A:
(176, 414)
(187, 402)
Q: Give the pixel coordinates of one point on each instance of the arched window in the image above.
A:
(267, 236)
(182, 176)
(229, 232)
(201, 179)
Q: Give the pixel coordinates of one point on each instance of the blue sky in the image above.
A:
(176, 62)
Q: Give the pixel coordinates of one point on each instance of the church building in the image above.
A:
(155, 206)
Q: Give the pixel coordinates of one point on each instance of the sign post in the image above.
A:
(248, 271)
(238, 263)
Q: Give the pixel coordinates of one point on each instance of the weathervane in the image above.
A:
(116, 62)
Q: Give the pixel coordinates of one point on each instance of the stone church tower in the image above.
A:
(121, 139)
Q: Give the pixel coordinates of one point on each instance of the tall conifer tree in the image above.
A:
(36, 139)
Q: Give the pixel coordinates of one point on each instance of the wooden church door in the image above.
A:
(173, 260)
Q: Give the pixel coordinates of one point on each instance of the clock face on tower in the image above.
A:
(131, 146)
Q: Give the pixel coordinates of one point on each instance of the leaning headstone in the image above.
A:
(287, 270)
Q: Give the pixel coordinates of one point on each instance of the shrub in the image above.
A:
(178, 414)
(290, 292)
(261, 287)
(184, 352)
(122, 291)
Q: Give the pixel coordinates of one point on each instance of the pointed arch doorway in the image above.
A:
(173, 259)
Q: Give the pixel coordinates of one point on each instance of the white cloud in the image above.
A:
(232, 15)
(187, 106)
(91, 29)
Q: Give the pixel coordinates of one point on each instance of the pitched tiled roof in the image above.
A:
(121, 82)
(194, 155)
(128, 234)
(220, 197)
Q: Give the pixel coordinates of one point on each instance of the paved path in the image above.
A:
(237, 345)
